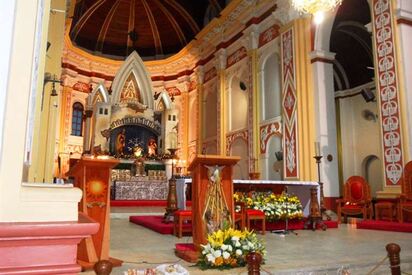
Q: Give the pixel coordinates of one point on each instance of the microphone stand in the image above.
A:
(285, 231)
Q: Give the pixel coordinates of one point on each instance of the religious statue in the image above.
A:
(151, 147)
(120, 143)
(216, 211)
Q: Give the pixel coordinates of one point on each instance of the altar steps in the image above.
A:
(156, 223)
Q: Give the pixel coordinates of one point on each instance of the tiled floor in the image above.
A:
(309, 252)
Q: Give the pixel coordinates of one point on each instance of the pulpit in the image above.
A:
(212, 199)
(92, 176)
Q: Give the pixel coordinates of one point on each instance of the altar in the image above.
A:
(301, 189)
(140, 190)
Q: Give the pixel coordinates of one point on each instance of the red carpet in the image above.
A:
(142, 203)
(155, 223)
(384, 225)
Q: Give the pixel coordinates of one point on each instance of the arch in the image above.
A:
(237, 102)
(133, 65)
(271, 79)
(371, 171)
(239, 148)
(99, 90)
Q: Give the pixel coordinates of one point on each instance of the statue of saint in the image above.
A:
(120, 143)
(151, 147)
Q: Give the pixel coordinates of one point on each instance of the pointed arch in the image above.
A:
(133, 65)
(99, 94)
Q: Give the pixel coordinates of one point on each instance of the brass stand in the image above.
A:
(316, 211)
(322, 198)
(171, 195)
(315, 217)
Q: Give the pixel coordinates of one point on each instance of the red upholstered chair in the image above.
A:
(405, 200)
(180, 217)
(254, 215)
(356, 199)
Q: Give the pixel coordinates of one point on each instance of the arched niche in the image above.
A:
(372, 172)
(239, 148)
(192, 119)
(271, 86)
(210, 112)
(133, 69)
(237, 109)
(272, 161)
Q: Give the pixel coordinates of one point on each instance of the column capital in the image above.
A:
(284, 12)
(221, 59)
(321, 56)
(403, 12)
(251, 38)
(200, 74)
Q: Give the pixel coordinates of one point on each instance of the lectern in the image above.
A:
(92, 176)
(212, 199)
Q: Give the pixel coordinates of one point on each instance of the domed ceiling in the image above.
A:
(154, 28)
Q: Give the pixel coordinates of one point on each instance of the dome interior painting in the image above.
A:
(155, 28)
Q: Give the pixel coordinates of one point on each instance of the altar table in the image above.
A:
(299, 188)
(140, 190)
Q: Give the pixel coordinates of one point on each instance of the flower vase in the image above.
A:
(253, 259)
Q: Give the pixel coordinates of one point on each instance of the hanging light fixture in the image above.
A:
(316, 7)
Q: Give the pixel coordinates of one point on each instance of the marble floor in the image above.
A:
(334, 251)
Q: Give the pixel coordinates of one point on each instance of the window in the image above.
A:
(77, 119)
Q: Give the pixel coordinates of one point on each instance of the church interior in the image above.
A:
(133, 132)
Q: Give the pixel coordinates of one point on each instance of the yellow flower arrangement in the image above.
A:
(275, 207)
(228, 248)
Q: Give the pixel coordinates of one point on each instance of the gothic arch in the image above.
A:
(98, 91)
(133, 65)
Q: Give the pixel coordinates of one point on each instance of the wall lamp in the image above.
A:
(48, 78)
(53, 79)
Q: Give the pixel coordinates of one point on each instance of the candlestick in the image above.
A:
(317, 148)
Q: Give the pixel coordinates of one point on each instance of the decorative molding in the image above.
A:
(388, 90)
(268, 130)
(235, 57)
(268, 35)
(212, 73)
(289, 105)
(231, 137)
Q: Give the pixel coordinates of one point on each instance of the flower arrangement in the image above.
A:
(228, 248)
(276, 207)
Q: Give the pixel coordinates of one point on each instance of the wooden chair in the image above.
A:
(356, 199)
(240, 216)
(405, 199)
(255, 215)
(180, 217)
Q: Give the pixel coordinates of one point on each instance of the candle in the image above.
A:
(317, 148)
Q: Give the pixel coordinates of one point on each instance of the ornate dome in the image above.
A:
(154, 28)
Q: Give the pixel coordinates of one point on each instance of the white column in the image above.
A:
(325, 114)
(404, 29)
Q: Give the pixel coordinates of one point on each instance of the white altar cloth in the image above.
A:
(299, 188)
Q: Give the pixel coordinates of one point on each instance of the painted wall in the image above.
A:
(360, 138)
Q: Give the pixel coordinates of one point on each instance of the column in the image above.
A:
(297, 102)
(388, 89)
(325, 120)
(87, 130)
(252, 39)
(199, 90)
(403, 15)
(222, 105)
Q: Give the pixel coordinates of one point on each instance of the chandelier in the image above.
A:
(315, 7)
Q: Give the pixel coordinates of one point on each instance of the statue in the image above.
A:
(216, 212)
(120, 143)
(151, 147)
